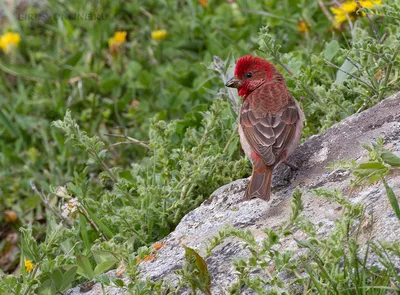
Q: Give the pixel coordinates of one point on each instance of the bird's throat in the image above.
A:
(243, 92)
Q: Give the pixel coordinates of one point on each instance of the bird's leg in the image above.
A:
(291, 165)
(287, 176)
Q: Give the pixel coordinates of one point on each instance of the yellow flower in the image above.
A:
(350, 8)
(29, 265)
(203, 3)
(119, 37)
(370, 4)
(159, 35)
(302, 26)
(117, 40)
(9, 41)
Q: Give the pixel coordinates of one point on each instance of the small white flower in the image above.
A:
(70, 208)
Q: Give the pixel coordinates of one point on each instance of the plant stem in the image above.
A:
(373, 26)
(205, 135)
(351, 75)
(31, 277)
(130, 139)
(389, 70)
(95, 227)
(233, 135)
(284, 66)
(109, 172)
(325, 11)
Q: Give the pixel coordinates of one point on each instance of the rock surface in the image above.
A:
(224, 208)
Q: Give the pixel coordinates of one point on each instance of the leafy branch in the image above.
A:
(92, 145)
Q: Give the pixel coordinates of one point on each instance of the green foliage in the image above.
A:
(139, 209)
(380, 163)
(195, 272)
(92, 145)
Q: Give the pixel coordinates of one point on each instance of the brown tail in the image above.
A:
(260, 182)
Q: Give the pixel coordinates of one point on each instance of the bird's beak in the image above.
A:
(234, 83)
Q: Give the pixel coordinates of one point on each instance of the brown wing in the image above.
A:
(270, 134)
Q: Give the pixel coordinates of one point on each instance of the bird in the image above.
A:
(270, 121)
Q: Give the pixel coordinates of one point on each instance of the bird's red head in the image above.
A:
(252, 72)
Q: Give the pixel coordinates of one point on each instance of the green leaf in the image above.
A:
(331, 50)
(390, 158)
(70, 63)
(84, 267)
(108, 84)
(133, 68)
(370, 169)
(29, 245)
(119, 283)
(84, 232)
(100, 224)
(5, 121)
(32, 202)
(233, 146)
(197, 264)
(35, 74)
(51, 67)
(103, 267)
(68, 278)
(103, 256)
(57, 278)
(342, 74)
(392, 198)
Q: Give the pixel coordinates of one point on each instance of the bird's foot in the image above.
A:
(291, 165)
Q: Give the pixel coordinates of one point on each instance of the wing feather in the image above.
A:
(269, 135)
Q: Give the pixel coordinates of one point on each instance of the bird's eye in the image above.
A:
(248, 74)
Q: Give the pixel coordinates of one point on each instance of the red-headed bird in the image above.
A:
(270, 120)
